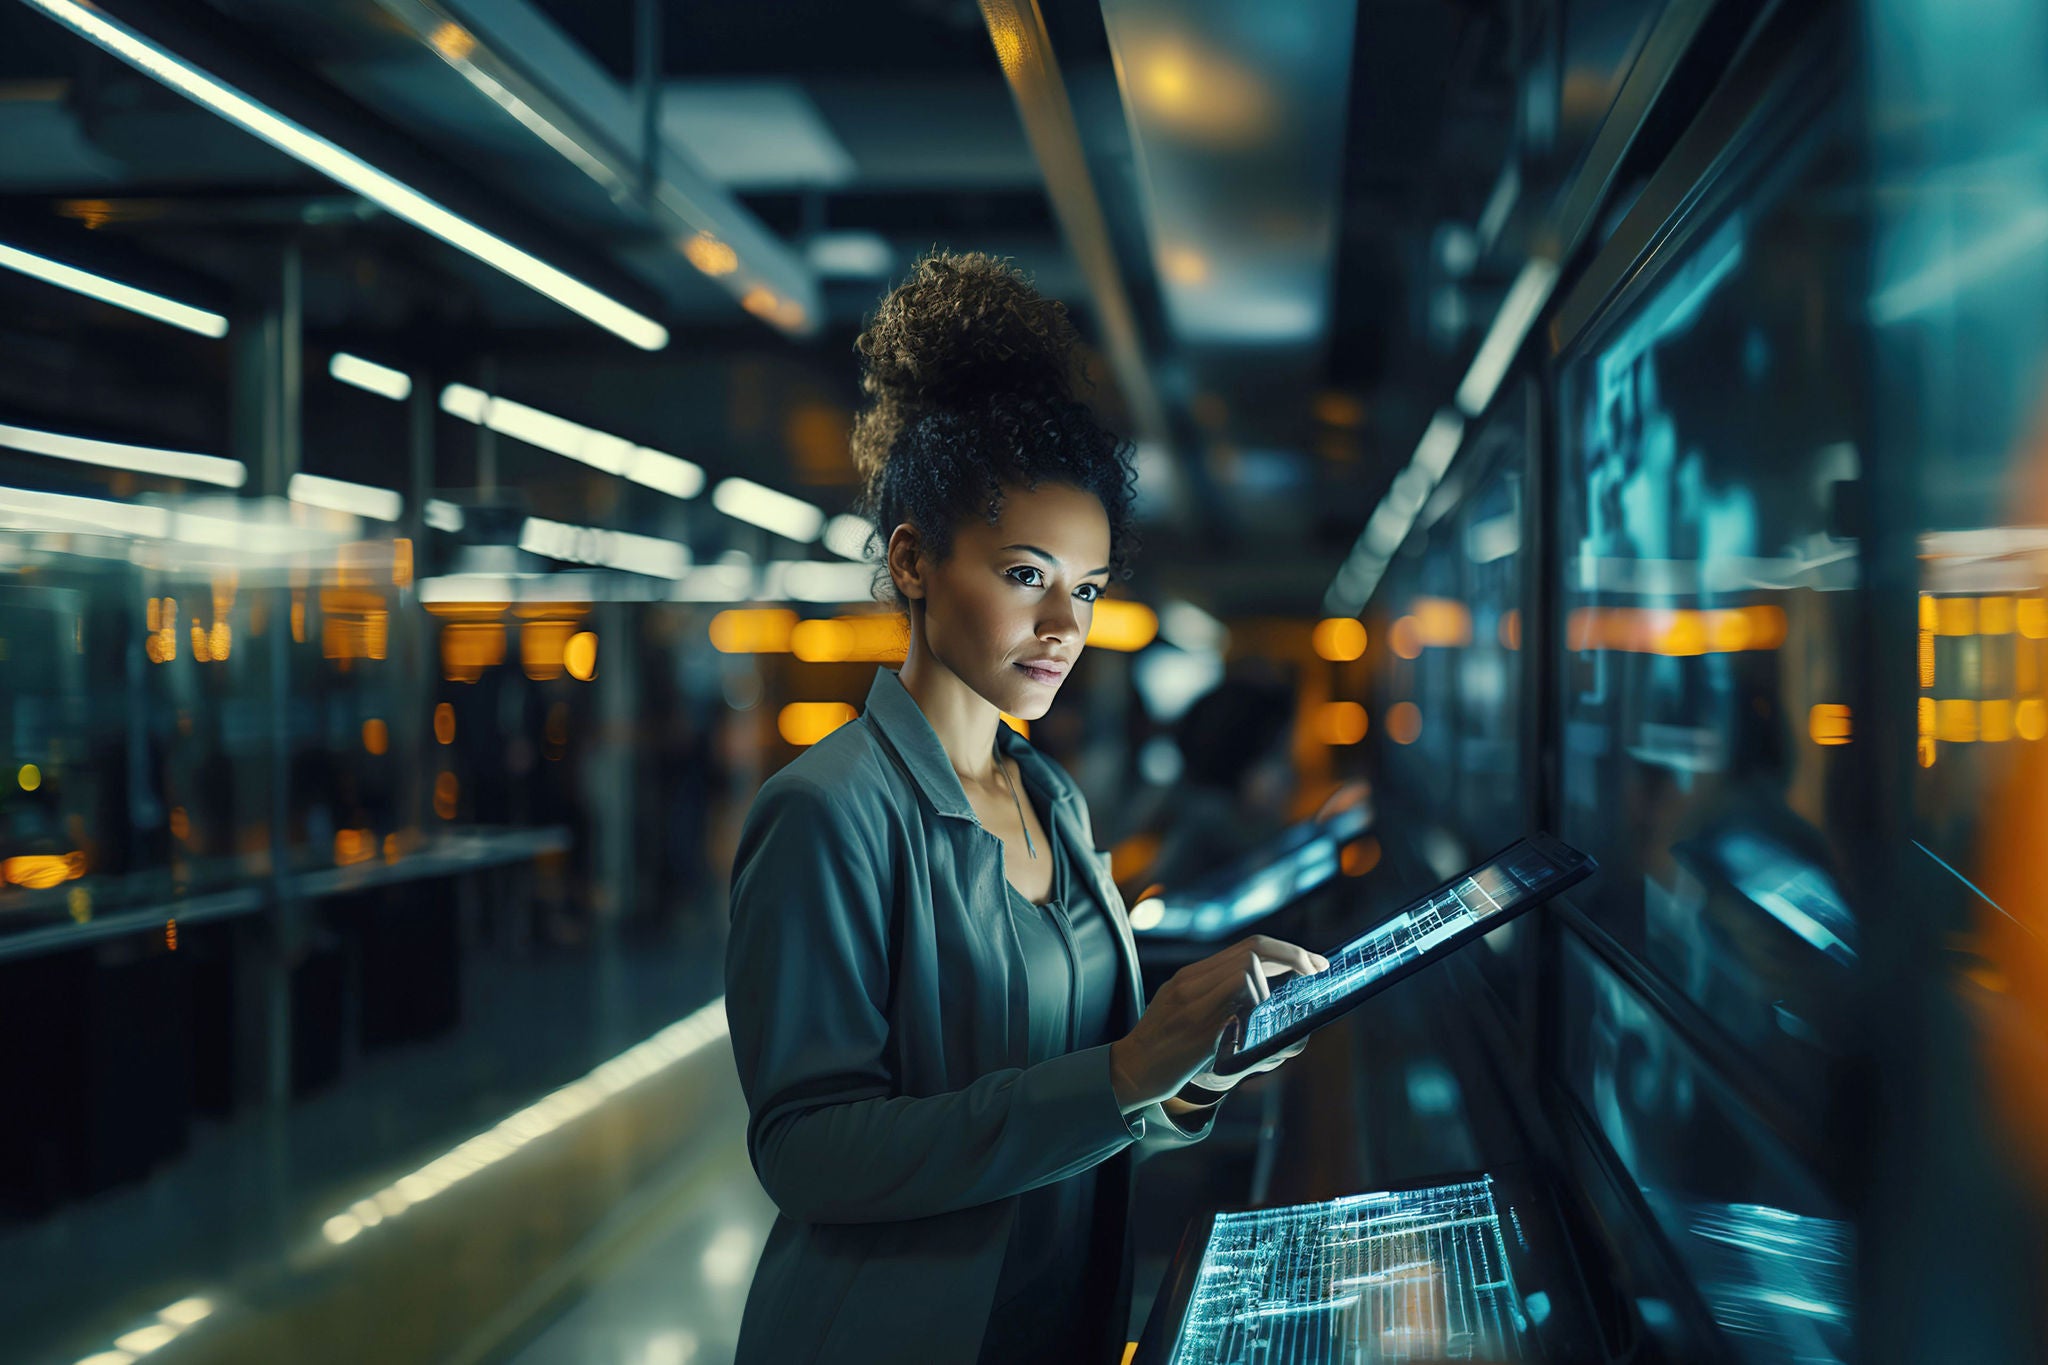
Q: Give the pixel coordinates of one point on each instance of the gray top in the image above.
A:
(881, 1027)
(1044, 1309)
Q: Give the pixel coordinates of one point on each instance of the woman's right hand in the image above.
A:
(1176, 1037)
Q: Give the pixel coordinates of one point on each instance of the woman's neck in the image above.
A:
(962, 718)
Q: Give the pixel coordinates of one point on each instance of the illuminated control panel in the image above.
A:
(1410, 1275)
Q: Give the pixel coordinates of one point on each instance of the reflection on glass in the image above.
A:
(1405, 1276)
(1234, 897)
(1708, 614)
(1769, 1255)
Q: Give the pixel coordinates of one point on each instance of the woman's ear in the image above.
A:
(906, 562)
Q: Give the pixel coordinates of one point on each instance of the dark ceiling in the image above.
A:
(889, 121)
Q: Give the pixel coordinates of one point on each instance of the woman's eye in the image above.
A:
(1026, 568)
(1094, 592)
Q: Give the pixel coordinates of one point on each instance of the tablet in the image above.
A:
(1519, 877)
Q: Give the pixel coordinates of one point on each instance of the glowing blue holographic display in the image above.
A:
(1407, 1275)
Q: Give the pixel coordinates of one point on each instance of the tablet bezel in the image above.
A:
(1576, 867)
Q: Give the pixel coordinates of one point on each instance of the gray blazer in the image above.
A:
(876, 994)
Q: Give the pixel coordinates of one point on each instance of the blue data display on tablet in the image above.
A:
(1520, 876)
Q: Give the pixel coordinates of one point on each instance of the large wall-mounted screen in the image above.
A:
(1708, 468)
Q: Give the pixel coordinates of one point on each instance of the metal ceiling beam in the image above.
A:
(517, 57)
(1017, 29)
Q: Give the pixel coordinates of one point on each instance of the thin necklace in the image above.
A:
(1029, 847)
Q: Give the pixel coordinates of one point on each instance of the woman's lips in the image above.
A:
(1049, 676)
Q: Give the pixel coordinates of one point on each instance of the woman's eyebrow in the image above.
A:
(1053, 560)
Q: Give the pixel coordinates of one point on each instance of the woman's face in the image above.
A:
(1020, 592)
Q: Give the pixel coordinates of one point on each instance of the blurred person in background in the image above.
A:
(1237, 778)
(931, 982)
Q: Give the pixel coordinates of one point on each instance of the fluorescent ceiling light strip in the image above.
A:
(654, 469)
(759, 505)
(612, 549)
(846, 535)
(113, 291)
(664, 473)
(381, 380)
(351, 170)
(443, 515)
(1439, 444)
(340, 495)
(169, 464)
(62, 511)
(1518, 310)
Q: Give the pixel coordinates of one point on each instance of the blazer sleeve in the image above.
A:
(807, 981)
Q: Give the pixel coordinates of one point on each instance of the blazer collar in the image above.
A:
(895, 713)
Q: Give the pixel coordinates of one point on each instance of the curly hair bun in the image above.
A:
(962, 328)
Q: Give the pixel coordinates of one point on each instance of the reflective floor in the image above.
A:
(669, 1290)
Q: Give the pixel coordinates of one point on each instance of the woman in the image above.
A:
(931, 982)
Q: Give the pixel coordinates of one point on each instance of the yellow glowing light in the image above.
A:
(761, 301)
(401, 562)
(1122, 625)
(153, 615)
(470, 647)
(1955, 718)
(1009, 42)
(804, 723)
(543, 646)
(354, 846)
(1404, 638)
(1511, 628)
(220, 640)
(39, 871)
(1927, 658)
(1404, 722)
(30, 777)
(1202, 95)
(850, 639)
(1339, 639)
(1994, 720)
(1829, 724)
(753, 630)
(2030, 719)
(1133, 856)
(1337, 409)
(1360, 857)
(1680, 633)
(579, 656)
(1183, 265)
(1441, 623)
(1929, 617)
(446, 789)
(710, 255)
(1995, 615)
(1955, 616)
(181, 824)
(1338, 722)
(453, 42)
(2030, 614)
(444, 723)
(376, 736)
